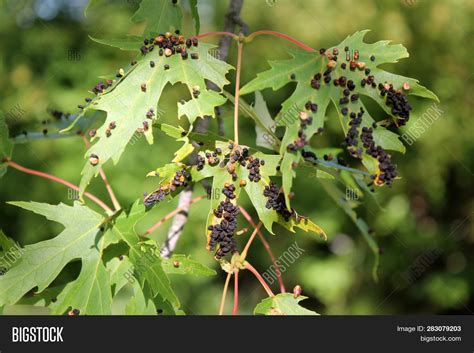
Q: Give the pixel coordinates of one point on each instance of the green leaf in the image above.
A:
(148, 267)
(160, 16)
(42, 262)
(138, 304)
(261, 109)
(255, 190)
(304, 65)
(183, 265)
(282, 304)
(249, 111)
(195, 15)
(163, 307)
(166, 172)
(6, 145)
(7, 245)
(55, 127)
(127, 104)
(206, 140)
(348, 208)
(144, 256)
(45, 298)
(90, 292)
(127, 43)
(119, 271)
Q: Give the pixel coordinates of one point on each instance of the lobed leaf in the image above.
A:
(41, 263)
(183, 265)
(127, 103)
(160, 16)
(301, 69)
(282, 304)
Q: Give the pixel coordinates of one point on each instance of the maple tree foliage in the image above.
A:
(131, 98)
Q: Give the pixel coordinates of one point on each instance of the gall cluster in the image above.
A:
(222, 233)
(276, 201)
(388, 171)
(236, 156)
(100, 87)
(305, 120)
(170, 44)
(353, 132)
(395, 99)
(398, 101)
(182, 178)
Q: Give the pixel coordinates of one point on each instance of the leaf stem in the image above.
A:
(217, 33)
(60, 181)
(104, 178)
(267, 248)
(249, 242)
(237, 89)
(224, 294)
(252, 269)
(171, 215)
(251, 36)
(236, 293)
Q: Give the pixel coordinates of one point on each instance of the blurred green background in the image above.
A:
(48, 62)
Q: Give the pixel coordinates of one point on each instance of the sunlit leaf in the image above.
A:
(128, 102)
(183, 265)
(301, 69)
(282, 304)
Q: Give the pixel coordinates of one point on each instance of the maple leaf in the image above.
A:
(302, 68)
(255, 190)
(42, 262)
(282, 304)
(129, 100)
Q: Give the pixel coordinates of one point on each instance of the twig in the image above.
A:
(60, 181)
(217, 33)
(251, 36)
(171, 214)
(104, 178)
(249, 242)
(267, 248)
(224, 293)
(252, 269)
(236, 293)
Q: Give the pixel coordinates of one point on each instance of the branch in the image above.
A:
(232, 19)
(104, 178)
(178, 224)
(267, 248)
(60, 181)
